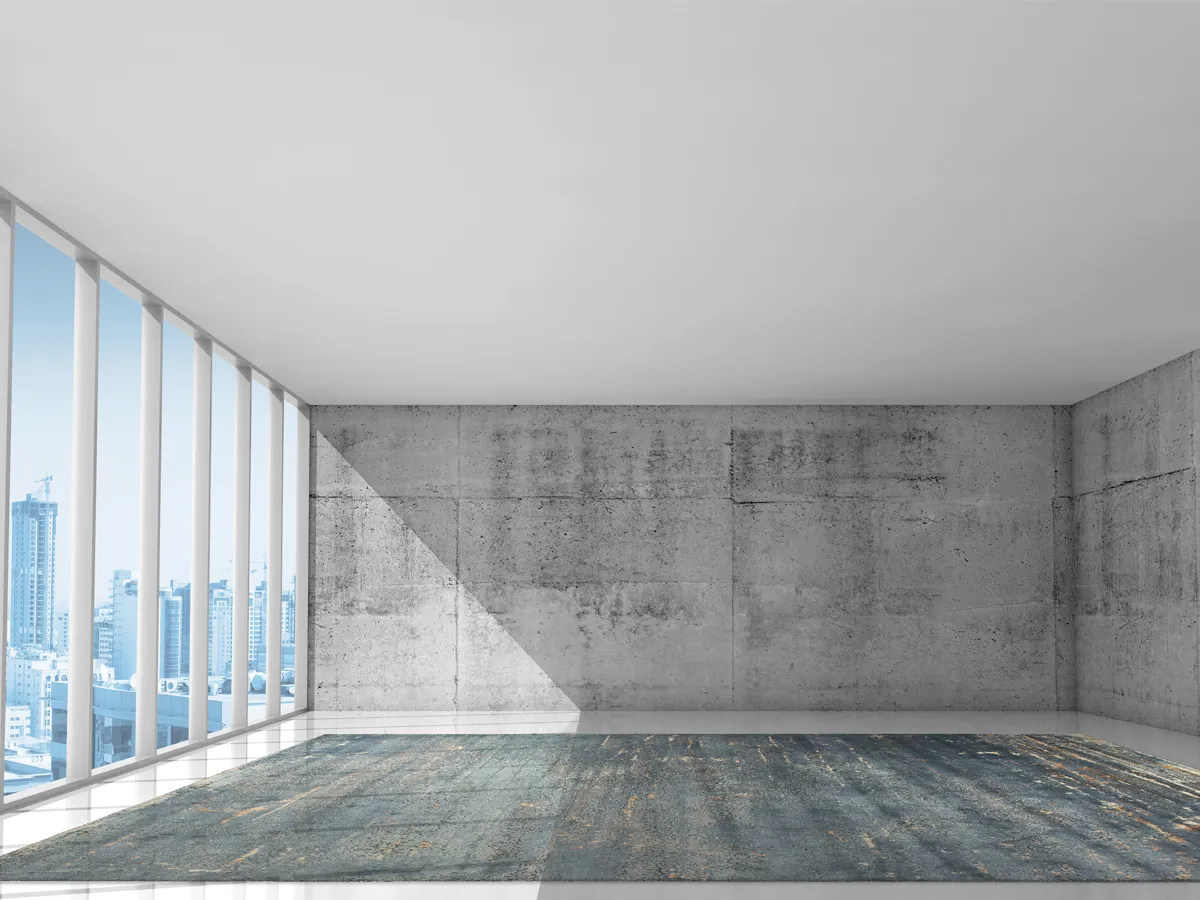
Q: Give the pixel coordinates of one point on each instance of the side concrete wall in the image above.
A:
(1128, 560)
(695, 558)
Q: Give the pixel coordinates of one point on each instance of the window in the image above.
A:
(220, 593)
(118, 486)
(175, 537)
(287, 679)
(260, 504)
(40, 492)
(49, 735)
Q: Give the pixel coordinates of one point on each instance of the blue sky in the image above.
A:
(43, 313)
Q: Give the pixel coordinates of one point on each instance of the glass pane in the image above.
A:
(175, 541)
(260, 502)
(118, 489)
(40, 480)
(287, 682)
(220, 593)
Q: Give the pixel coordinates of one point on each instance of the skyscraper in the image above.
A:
(220, 629)
(102, 636)
(34, 529)
(168, 634)
(174, 623)
(124, 654)
(288, 619)
(258, 629)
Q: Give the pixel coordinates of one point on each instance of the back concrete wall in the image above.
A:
(693, 558)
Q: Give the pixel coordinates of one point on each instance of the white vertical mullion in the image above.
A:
(146, 727)
(201, 511)
(301, 648)
(239, 679)
(273, 618)
(8, 239)
(81, 609)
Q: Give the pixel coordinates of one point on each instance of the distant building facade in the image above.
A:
(102, 636)
(17, 723)
(32, 620)
(29, 674)
(124, 627)
(175, 629)
(220, 629)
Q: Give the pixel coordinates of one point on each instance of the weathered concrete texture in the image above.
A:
(1064, 451)
(1137, 640)
(902, 452)
(575, 541)
(625, 604)
(687, 558)
(384, 520)
(495, 672)
(763, 557)
(587, 452)
(582, 556)
(384, 626)
(385, 451)
(893, 558)
(1065, 558)
(605, 645)
(1138, 429)
(1066, 578)
(1137, 634)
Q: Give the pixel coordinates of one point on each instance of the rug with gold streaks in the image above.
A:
(715, 807)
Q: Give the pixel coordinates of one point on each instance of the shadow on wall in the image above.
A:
(690, 558)
(391, 619)
(494, 594)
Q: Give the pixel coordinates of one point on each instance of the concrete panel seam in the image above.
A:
(1053, 588)
(877, 498)
(732, 579)
(458, 588)
(1119, 484)
(1194, 376)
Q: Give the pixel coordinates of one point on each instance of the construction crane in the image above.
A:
(253, 567)
(45, 483)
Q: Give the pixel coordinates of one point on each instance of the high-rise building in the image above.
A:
(120, 576)
(102, 636)
(220, 629)
(184, 593)
(168, 634)
(124, 653)
(258, 629)
(34, 528)
(175, 628)
(288, 619)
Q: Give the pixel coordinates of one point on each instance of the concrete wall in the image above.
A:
(1135, 549)
(692, 558)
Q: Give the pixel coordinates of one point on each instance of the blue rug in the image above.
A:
(921, 807)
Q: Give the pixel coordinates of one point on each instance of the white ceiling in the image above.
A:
(633, 202)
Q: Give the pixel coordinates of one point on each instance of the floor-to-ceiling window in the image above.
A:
(220, 594)
(80, 330)
(175, 537)
(40, 492)
(287, 679)
(260, 504)
(114, 626)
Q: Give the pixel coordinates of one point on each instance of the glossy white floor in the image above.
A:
(33, 823)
